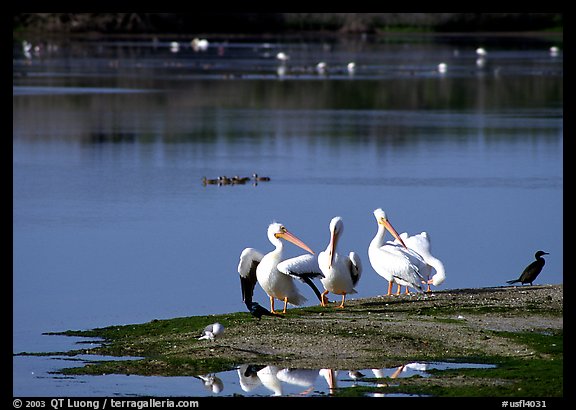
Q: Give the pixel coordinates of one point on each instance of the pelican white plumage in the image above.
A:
(434, 271)
(394, 261)
(340, 272)
(257, 267)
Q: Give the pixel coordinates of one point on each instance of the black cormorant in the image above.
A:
(532, 270)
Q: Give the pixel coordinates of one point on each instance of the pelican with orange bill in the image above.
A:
(257, 267)
(394, 261)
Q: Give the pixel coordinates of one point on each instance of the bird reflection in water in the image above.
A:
(258, 380)
(211, 383)
(274, 378)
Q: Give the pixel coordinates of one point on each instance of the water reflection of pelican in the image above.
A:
(299, 377)
(248, 377)
(330, 377)
(268, 377)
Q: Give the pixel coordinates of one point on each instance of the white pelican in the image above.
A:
(340, 272)
(434, 270)
(394, 262)
(254, 266)
(212, 331)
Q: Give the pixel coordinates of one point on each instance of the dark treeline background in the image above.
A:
(206, 22)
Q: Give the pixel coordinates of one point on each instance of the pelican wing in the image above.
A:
(249, 260)
(304, 268)
(420, 243)
(355, 267)
(301, 266)
(409, 264)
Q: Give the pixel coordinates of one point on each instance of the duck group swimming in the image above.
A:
(235, 180)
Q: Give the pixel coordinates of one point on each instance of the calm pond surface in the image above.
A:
(111, 140)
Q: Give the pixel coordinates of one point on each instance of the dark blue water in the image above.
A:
(112, 225)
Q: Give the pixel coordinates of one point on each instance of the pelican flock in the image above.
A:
(405, 261)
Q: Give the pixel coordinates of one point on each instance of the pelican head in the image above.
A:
(383, 220)
(278, 231)
(336, 229)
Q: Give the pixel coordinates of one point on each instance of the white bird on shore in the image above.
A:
(256, 267)
(340, 273)
(212, 331)
(394, 261)
(434, 271)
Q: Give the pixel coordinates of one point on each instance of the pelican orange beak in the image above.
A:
(389, 227)
(333, 240)
(285, 234)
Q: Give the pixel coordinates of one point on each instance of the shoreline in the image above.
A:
(497, 325)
